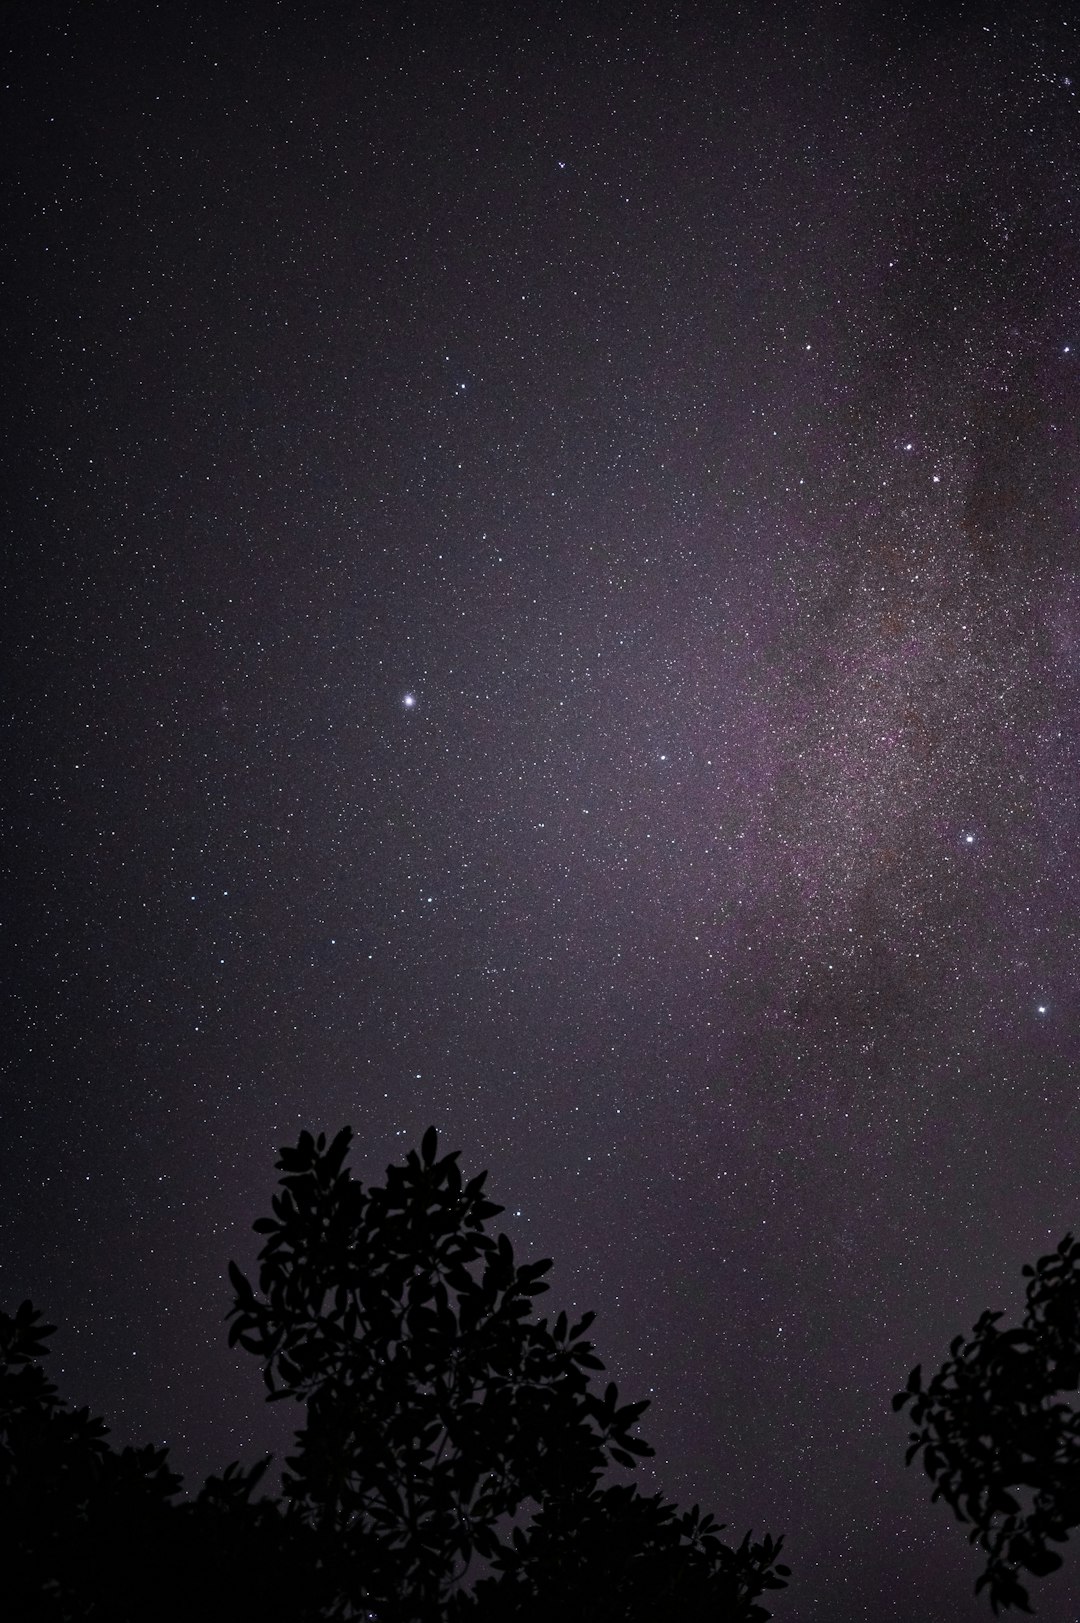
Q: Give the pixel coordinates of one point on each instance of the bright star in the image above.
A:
(409, 701)
(1040, 1008)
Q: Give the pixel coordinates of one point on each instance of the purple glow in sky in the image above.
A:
(682, 403)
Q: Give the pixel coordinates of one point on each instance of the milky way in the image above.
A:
(545, 601)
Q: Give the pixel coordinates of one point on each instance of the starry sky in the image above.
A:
(543, 598)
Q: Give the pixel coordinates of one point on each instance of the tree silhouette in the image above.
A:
(439, 1411)
(95, 1533)
(998, 1438)
(446, 1429)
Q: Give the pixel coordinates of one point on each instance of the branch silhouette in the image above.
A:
(997, 1436)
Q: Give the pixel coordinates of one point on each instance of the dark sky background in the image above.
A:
(543, 598)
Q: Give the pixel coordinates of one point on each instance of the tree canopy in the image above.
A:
(454, 1462)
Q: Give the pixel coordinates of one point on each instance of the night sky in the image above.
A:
(543, 597)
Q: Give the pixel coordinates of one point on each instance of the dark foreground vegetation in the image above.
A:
(998, 1433)
(455, 1461)
(458, 1460)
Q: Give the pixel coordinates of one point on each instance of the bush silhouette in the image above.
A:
(997, 1437)
(452, 1464)
(91, 1532)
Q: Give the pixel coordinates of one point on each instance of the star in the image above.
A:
(409, 701)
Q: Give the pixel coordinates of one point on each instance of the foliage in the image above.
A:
(89, 1531)
(439, 1410)
(613, 1554)
(997, 1438)
(446, 1429)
